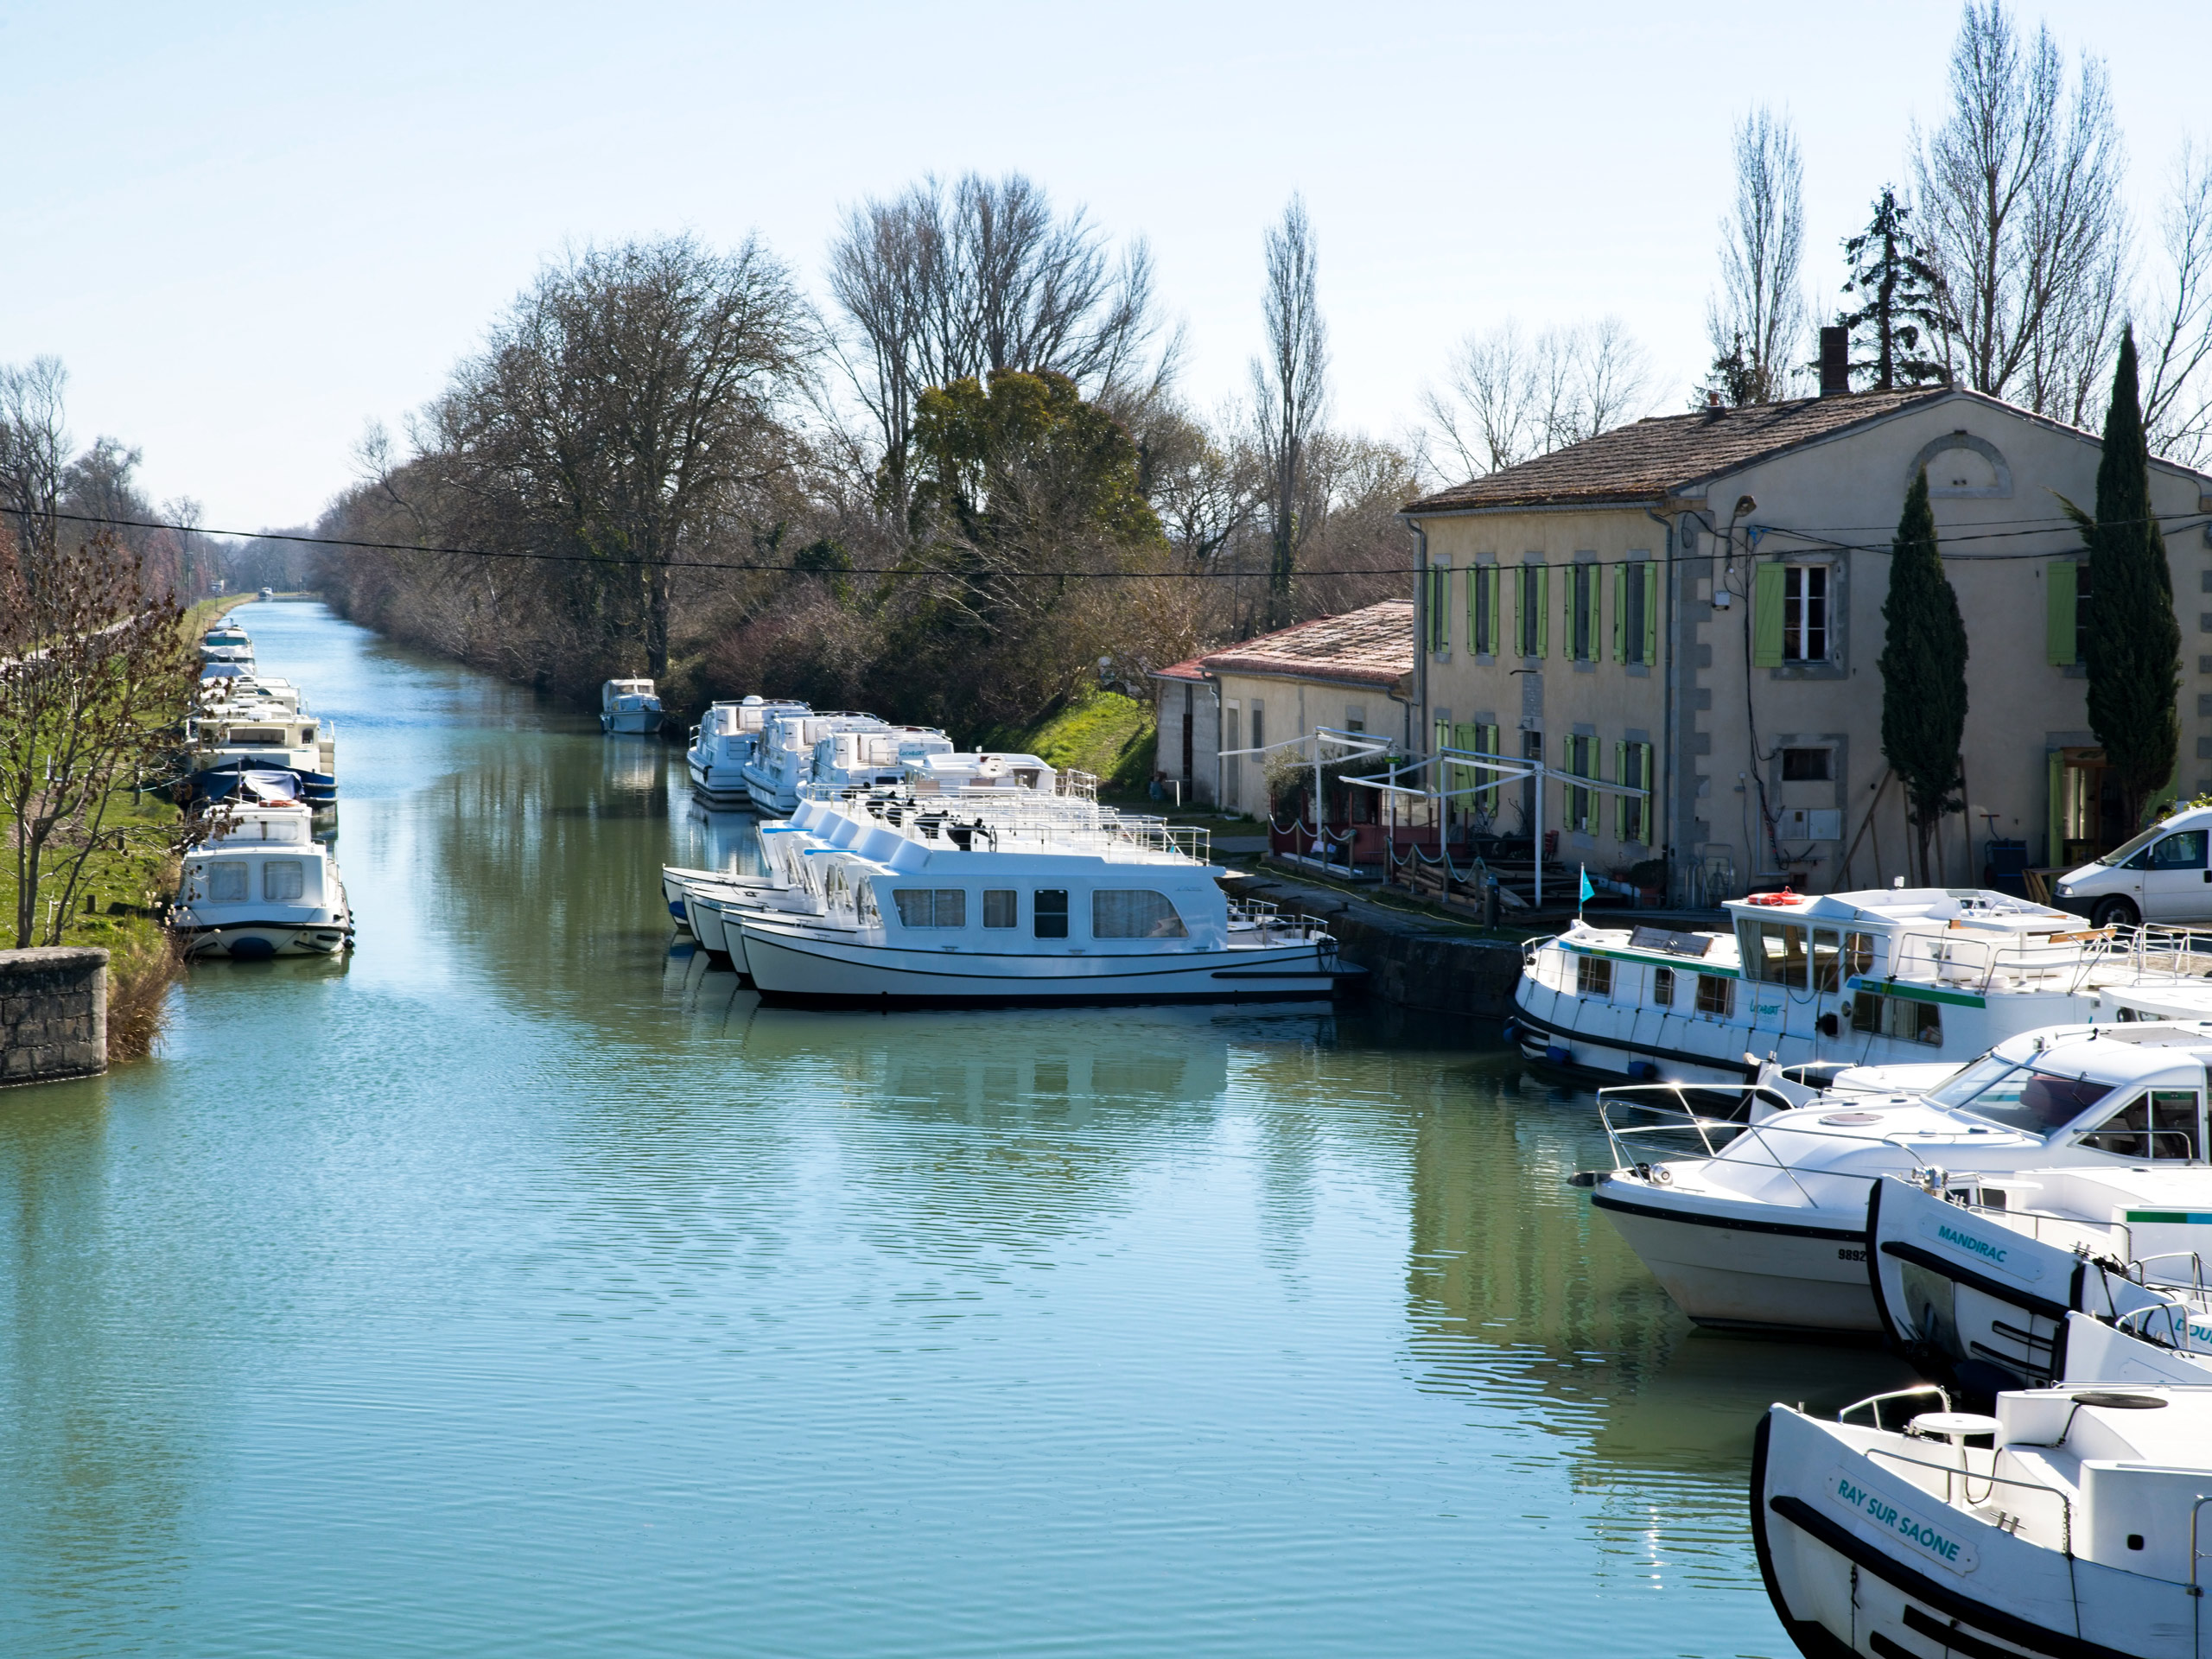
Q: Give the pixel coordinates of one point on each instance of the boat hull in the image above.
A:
(259, 941)
(1737, 1274)
(630, 722)
(805, 966)
(727, 788)
(1843, 1584)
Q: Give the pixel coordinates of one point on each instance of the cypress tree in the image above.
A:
(2132, 643)
(1923, 673)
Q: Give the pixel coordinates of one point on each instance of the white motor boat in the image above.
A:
(261, 886)
(722, 746)
(965, 900)
(960, 773)
(782, 760)
(628, 706)
(2067, 1524)
(1890, 976)
(872, 757)
(1975, 1276)
(1765, 1226)
(235, 738)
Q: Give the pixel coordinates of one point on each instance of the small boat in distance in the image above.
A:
(628, 706)
(268, 593)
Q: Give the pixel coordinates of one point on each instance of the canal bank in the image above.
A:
(523, 1284)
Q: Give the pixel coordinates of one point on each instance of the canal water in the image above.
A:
(520, 1287)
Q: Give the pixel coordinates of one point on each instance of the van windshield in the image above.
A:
(2018, 1097)
(2127, 849)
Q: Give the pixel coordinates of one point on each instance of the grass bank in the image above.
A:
(1104, 733)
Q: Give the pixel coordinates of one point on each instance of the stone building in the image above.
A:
(1693, 603)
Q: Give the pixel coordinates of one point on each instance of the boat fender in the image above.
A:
(1643, 1071)
(1512, 1033)
(1556, 1055)
(1827, 1025)
(1585, 1178)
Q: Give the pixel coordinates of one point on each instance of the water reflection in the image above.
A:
(525, 1283)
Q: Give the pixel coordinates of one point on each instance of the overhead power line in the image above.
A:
(2045, 527)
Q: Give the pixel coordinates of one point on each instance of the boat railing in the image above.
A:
(1960, 1479)
(1681, 1119)
(2061, 961)
(1873, 1402)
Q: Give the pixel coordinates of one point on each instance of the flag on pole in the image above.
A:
(1588, 893)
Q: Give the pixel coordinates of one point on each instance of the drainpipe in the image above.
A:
(1666, 705)
(1420, 648)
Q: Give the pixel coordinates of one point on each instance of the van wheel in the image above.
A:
(2117, 913)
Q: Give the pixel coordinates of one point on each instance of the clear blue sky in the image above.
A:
(250, 228)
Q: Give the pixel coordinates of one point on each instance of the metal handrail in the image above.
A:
(1916, 1392)
(1993, 1480)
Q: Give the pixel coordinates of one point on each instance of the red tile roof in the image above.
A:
(1372, 646)
(1193, 670)
(1648, 458)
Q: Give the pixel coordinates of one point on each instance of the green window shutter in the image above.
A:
(1766, 617)
(1543, 611)
(1645, 781)
(2054, 853)
(2058, 612)
(1620, 802)
(1651, 615)
(1489, 579)
(1620, 613)
(1524, 596)
(1474, 628)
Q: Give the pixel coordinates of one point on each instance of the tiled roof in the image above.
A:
(1372, 646)
(1649, 459)
(1193, 670)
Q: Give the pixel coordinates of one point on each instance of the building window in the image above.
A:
(1232, 765)
(1531, 621)
(1805, 765)
(1439, 614)
(1804, 613)
(1580, 752)
(1632, 813)
(1716, 995)
(1259, 728)
(1593, 976)
(1662, 988)
(1634, 619)
(1000, 907)
(1355, 718)
(1482, 608)
(1582, 602)
(1048, 911)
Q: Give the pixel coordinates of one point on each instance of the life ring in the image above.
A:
(1785, 897)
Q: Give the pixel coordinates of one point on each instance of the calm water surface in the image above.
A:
(520, 1287)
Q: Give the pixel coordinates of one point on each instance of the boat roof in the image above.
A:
(1898, 907)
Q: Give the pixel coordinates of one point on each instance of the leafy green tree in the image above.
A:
(2133, 646)
(1900, 300)
(1923, 673)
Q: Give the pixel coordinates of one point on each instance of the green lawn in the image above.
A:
(1105, 733)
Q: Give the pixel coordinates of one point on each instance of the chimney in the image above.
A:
(1835, 361)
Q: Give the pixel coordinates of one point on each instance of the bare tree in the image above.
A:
(1757, 322)
(33, 455)
(1205, 484)
(2177, 341)
(944, 281)
(2019, 196)
(1290, 392)
(1508, 397)
(630, 406)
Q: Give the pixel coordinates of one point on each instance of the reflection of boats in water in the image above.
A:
(631, 762)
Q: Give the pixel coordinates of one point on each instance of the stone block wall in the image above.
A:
(53, 1015)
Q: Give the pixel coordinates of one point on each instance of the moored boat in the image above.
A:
(260, 885)
(722, 745)
(629, 706)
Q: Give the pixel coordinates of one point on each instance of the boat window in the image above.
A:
(1716, 995)
(1662, 988)
(1858, 954)
(282, 879)
(931, 907)
(2036, 1101)
(2158, 1124)
(1776, 954)
(1828, 960)
(2127, 849)
(1134, 913)
(1866, 1012)
(1048, 912)
(1593, 976)
(226, 883)
(1000, 908)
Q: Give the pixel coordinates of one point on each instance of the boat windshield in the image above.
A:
(2017, 1095)
(2127, 849)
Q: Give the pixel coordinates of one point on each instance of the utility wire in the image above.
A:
(2175, 521)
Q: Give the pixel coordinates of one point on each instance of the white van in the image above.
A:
(2163, 875)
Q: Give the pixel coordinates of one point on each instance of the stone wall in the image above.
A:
(53, 1015)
